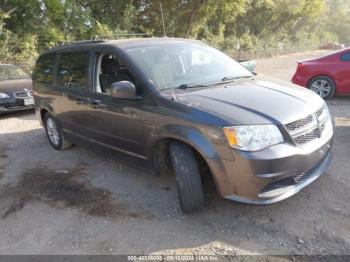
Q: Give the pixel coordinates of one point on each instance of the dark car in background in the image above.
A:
(15, 89)
(327, 76)
(182, 106)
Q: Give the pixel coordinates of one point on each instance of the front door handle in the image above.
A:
(96, 103)
(132, 112)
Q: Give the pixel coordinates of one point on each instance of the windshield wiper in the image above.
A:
(185, 86)
(228, 79)
(224, 80)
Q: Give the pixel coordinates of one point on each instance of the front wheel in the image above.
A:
(323, 86)
(188, 179)
(54, 133)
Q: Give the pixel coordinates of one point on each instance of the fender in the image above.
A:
(42, 105)
(208, 148)
(207, 145)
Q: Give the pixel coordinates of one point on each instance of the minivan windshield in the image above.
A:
(185, 65)
(9, 72)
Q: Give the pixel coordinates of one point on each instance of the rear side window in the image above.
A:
(346, 57)
(44, 69)
(73, 69)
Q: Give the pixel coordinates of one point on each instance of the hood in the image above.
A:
(258, 100)
(15, 85)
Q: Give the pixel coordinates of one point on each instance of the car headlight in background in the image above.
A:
(253, 137)
(4, 95)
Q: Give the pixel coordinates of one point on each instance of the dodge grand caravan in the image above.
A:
(181, 106)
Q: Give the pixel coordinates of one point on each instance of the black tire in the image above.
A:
(61, 143)
(188, 179)
(329, 83)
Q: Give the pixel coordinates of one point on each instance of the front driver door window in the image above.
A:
(115, 122)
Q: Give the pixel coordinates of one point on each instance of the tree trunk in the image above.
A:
(195, 7)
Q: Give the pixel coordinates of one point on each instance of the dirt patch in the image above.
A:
(64, 189)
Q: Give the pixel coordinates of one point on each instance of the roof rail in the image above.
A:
(101, 39)
(69, 43)
(114, 36)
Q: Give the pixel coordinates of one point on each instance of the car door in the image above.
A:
(115, 123)
(344, 73)
(73, 80)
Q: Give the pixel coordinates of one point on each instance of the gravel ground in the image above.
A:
(81, 202)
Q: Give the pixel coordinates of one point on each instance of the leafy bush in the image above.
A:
(242, 28)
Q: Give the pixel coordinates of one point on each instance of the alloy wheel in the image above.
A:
(322, 88)
(52, 131)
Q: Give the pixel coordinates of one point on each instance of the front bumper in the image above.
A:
(4, 110)
(285, 188)
(13, 104)
(269, 176)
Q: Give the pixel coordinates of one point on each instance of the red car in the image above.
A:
(327, 76)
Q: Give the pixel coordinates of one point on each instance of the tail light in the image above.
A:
(298, 73)
(300, 66)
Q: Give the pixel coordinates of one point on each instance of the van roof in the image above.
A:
(135, 42)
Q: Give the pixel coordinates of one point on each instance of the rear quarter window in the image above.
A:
(44, 69)
(346, 57)
(73, 69)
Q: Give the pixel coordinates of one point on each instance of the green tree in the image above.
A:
(266, 27)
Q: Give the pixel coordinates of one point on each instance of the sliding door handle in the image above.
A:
(80, 101)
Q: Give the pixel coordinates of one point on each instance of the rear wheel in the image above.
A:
(54, 133)
(324, 86)
(188, 179)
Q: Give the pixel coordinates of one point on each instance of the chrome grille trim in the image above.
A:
(302, 126)
(310, 128)
(322, 114)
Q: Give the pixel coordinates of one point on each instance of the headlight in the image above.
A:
(253, 138)
(3, 95)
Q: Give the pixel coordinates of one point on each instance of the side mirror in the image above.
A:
(249, 64)
(124, 90)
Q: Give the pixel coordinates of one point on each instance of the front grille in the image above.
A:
(301, 177)
(19, 102)
(310, 128)
(306, 138)
(300, 123)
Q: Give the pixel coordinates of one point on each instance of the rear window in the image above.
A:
(73, 69)
(44, 69)
(345, 57)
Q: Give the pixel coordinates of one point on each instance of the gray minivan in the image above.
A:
(181, 106)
